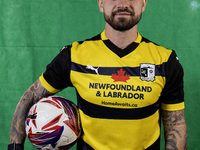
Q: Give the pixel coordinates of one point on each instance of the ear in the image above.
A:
(100, 4)
(144, 5)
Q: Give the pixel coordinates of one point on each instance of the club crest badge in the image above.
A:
(147, 72)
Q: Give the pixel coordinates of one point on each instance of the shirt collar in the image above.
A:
(138, 40)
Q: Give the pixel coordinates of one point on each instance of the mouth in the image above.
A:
(122, 13)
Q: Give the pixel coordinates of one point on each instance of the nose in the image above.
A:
(123, 3)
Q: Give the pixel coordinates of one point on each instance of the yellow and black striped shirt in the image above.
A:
(119, 92)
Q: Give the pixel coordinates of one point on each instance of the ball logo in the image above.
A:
(147, 72)
(120, 76)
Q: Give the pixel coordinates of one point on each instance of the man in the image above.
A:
(124, 83)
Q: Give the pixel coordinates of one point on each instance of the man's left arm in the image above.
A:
(175, 130)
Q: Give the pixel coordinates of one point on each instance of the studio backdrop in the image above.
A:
(32, 32)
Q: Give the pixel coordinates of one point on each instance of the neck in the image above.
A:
(121, 39)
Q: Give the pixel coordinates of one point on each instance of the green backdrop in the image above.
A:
(33, 31)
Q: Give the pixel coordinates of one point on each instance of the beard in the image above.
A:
(122, 23)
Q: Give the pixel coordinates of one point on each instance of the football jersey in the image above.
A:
(119, 92)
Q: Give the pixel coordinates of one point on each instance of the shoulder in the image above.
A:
(155, 45)
(155, 51)
(87, 46)
(89, 40)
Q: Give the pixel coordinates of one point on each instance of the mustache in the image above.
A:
(126, 10)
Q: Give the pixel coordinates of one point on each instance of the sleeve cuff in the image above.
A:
(173, 107)
(47, 86)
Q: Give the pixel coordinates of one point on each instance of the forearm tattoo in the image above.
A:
(31, 96)
(175, 130)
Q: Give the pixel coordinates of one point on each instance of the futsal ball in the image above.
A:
(53, 124)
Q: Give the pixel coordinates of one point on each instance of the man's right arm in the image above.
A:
(30, 97)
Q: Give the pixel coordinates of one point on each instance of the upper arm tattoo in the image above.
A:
(35, 92)
(31, 96)
(174, 118)
(175, 130)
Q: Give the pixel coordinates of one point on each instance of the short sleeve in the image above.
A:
(172, 97)
(57, 74)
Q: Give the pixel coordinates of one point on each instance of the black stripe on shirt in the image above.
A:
(97, 111)
(132, 71)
